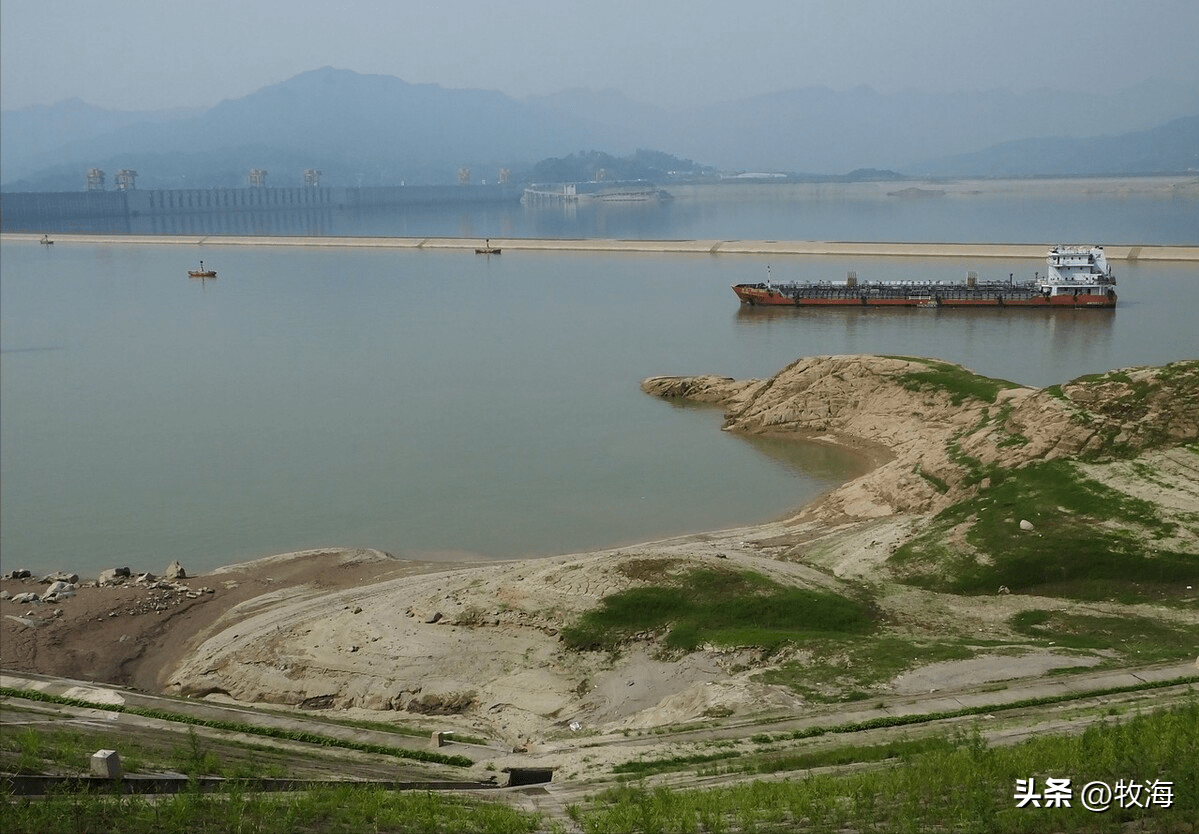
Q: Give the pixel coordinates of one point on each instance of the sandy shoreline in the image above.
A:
(130, 634)
(592, 245)
(477, 647)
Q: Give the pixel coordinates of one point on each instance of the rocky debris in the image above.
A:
(451, 703)
(59, 590)
(110, 576)
(719, 390)
(175, 571)
(161, 594)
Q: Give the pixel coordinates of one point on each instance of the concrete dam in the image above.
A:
(240, 210)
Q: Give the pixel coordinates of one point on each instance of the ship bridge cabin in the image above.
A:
(1077, 269)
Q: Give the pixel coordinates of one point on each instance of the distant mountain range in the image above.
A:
(1171, 148)
(378, 130)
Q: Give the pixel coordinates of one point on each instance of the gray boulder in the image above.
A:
(110, 576)
(59, 590)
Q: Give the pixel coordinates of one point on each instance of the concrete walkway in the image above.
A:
(683, 247)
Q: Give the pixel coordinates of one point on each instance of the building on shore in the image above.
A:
(566, 193)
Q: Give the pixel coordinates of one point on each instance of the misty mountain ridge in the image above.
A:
(1170, 148)
(379, 130)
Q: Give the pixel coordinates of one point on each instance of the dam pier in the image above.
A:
(233, 210)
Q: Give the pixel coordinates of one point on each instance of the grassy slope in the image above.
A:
(1088, 542)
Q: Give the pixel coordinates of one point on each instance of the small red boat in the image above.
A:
(201, 272)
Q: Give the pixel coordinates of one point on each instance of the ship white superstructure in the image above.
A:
(1077, 269)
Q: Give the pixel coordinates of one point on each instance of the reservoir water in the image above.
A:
(442, 403)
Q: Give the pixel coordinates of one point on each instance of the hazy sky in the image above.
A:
(150, 54)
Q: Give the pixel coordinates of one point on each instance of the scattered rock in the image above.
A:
(58, 590)
(452, 703)
(175, 571)
(111, 575)
(1025, 524)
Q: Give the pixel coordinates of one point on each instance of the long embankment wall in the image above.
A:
(692, 247)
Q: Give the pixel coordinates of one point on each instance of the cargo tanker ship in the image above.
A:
(1077, 276)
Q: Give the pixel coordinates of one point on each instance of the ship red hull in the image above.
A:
(757, 296)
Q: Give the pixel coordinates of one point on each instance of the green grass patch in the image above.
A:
(1089, 541)
(721, 607)
(844, 670)
(249, 729)
(961, 785)
(1150, 639)
(781, 762)
(1127, 399)
(986, 709)
(325, 809)
(645, 767)
(959, 383)
(54, 749)
(854, 754)
(939, 484)
(1014, 439)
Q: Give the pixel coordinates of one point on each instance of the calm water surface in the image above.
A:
(433, 403)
